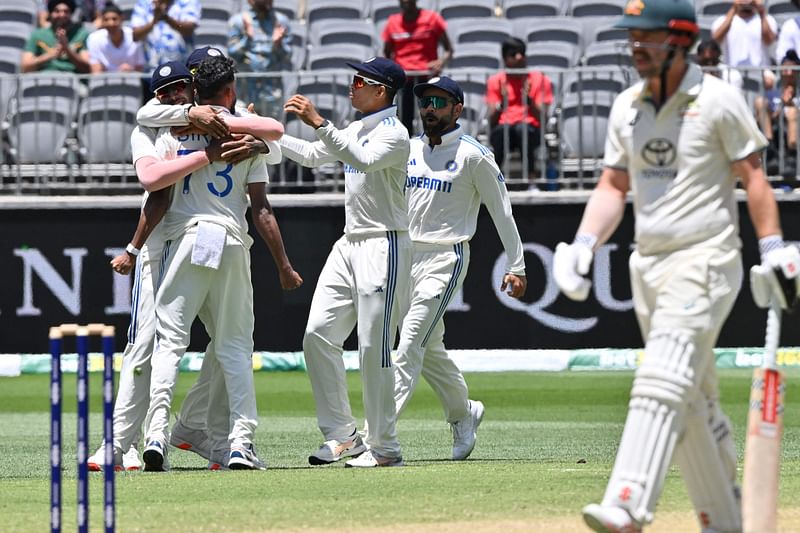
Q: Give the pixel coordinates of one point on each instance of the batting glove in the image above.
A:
(778, 275)
(571, 264)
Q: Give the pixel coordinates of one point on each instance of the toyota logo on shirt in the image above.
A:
(659, 152)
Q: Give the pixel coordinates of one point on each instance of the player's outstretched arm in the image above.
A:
(267, 226)
(154, 209)
(262, 127)
(155, 174)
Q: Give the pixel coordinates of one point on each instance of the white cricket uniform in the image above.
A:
(685, 273)
(445, 186)
(365, 277)
(206, 222)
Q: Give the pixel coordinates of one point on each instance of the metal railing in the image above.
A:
(70, 134)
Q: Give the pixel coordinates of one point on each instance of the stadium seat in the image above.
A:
(595, 81)
(50, 90)
(287, 7)
(299, 43)
(476, 55)
(104, 128)
(606, 32)
(219, 9)
(126, 6)
(473, 119)
(336, 31)
(10, 59)
(380, 10)
(781, 7)
(116, 85)
(317, 10)
(705, 22)
(480, 30)
(25, 11)
(556, 54)
(212, 32)
(37, 132)
(583, 123)
(536, 30)
(712, 7)
(14, 34)
(514, 9)
(608, 53)
(597, 8)
(453, 9)
(335, 56)
(8, 88)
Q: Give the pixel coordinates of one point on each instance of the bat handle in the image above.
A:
(773, 336)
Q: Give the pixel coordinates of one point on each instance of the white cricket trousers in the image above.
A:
(437, 273)
(365, 282)
(225, 297)
(133, 394)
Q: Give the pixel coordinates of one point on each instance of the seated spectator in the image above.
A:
(517, 103)
(412, 38)
(112, 48)
(167, 29)
(708, 56)
(259, 40)
(745, 34)
(85, 11)
(61, 46)
(776, 113)
(789, 36)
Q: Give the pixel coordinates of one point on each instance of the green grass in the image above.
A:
(545, 449)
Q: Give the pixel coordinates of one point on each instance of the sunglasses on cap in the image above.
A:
(176, 87)
(438, 102)
(361, 81)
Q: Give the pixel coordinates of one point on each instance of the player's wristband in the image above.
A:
(769, 243)
(586, 239)
(324, 123)
(131, 249)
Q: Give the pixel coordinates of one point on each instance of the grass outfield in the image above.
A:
(544, 450)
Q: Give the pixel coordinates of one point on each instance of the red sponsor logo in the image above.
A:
(625, 494)
(769, 404)
(704, 519)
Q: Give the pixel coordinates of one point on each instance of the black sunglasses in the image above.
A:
(438, 102)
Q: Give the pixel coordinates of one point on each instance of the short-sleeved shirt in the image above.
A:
(416, 42)
(742, 45)
(103, 52)
(540, 91)
(163, 43)
(44, 39)
(679, 161)
(256, 53)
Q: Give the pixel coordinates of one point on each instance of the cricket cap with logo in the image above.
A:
(444, 83)
(672, 15)
(169, 73)
(383, 70)
(199, 54)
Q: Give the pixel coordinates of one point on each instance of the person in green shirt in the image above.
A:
(61, 46)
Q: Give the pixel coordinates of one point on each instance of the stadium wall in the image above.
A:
(54, 256)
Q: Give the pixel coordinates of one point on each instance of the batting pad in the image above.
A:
(655, 420)
(708, 482)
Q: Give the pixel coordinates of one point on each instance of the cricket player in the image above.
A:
(207, 263)
(365, 278)
(449, 175)
(677, 140)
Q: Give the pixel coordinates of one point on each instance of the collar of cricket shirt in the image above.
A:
(447, 138)
(690, 84)
(373, 119)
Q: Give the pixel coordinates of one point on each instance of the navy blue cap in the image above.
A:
(168, 73)
(199, 54)
(441, 82)
(383, 70)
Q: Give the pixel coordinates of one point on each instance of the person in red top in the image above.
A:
(517, 103)
(412, 38)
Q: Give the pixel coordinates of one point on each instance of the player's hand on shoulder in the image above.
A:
(215, 149)
(516, 285)
(208, 120)
(571, 263)
(777, 277)
(290, 279)
(238, 148)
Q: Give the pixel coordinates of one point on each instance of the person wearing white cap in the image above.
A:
(365, 278)
(206, 265)
(449, 175)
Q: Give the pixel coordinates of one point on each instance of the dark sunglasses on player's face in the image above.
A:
(438, 102)
(177, 87)
(361, 81)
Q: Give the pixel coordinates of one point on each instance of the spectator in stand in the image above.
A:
(789, 36)
(85, 11)
(412, 38)
(517, 103)
(746, 33)
(776, 113)
(112, 48)
(709, 56)
(259, 40)
(167, 29)
(61, 46)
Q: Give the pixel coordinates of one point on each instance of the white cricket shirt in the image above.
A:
(374, 151)
(679, 161)
(445, 186)
(143, 143)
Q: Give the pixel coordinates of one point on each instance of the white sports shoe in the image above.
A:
(131, 461)
(465, 431)
(371, 459)
(97, 461)
(333, 450)
(244, 458)
(191, 440)
(155, 457)
(610, 519)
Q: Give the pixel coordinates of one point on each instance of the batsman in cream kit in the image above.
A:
(678, 140)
